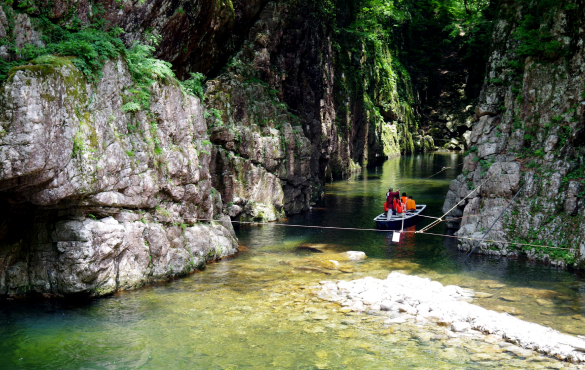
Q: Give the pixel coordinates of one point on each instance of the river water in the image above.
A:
(257, 310)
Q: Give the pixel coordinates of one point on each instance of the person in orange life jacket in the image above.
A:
(410, 204)
(398, 203)
(400, 207)
(404, 198)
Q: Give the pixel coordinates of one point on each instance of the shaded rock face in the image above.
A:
(529, 132)
(282, 114)
(258, 139)
(95, 199)
(261, 169)
(195, 36)
(290, 109)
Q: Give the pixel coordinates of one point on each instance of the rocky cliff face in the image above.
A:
(298, 95)
(300, 103)
(95, 199)
(194, 36)
(529, 134)
(101, 198)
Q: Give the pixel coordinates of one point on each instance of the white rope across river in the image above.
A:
(378, 230)
(437, 220)
(440, 219)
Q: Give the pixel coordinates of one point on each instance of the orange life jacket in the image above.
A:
(404, 199)
(410, 205)
(385, 206)
(400, 208)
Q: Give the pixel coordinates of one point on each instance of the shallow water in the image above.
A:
(257, 311)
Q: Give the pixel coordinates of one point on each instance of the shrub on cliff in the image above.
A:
(90, 44)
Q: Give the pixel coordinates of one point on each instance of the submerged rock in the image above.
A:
(311, 248)
(508, 298)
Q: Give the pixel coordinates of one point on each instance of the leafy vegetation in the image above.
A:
(194, 85)
(145, 70)
(90, 44)
(442, 33)
(410, 53)
(534, 31)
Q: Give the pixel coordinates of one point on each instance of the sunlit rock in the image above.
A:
(355, 255)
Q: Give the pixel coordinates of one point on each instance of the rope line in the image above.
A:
(497, 241)
(436, 218)
(380, 230)
(443, 169)
(495, 221)
(450, 219)
(433, 224)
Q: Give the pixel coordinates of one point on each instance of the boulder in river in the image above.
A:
(355, 255)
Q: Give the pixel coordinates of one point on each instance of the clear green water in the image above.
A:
(257, 311)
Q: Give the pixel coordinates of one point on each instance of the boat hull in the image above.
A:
(396, 222)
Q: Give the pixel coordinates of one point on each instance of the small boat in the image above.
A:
(395, 222)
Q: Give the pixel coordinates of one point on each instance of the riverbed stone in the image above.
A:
(396, 320)
(460, 326)
(355, 255)
(462, 319)
(386, 305)
(544, 302)
(509, 298)
(508, 309)
(482, 357)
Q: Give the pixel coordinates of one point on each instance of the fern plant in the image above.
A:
(194, 85)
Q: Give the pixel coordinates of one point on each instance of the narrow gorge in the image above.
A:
(133, 132)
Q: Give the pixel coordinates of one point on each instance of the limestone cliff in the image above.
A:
(298, 93)
(305, 99)
(96, 199)
(529, 133)
(102, 195)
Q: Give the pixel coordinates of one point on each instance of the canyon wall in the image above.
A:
(96, 199)
(297, 94)
(104, 192)
(304, 101)
(528, 137)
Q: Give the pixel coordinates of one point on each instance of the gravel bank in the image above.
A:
(425, 301)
